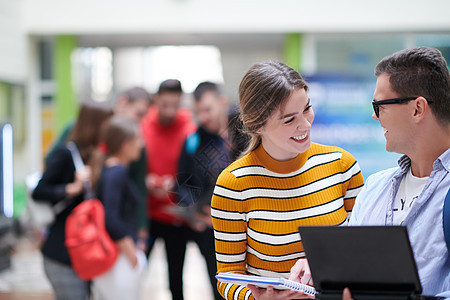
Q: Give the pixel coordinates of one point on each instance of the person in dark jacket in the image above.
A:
(60, 181)
(205, 154)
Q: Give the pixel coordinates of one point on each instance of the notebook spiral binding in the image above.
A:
(300, 287)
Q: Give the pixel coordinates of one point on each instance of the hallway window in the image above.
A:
(149, 66)
(93, 73)
(100, 73)
(189, 64)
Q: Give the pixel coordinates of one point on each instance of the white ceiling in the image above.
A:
(231, 16)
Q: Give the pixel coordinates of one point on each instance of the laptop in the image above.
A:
(375, 262)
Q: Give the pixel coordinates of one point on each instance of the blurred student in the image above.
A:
(164, 129)
(59, 181)
(120, 144)
(282, 182)
(132, 104)
(204, 155)
(412, 103)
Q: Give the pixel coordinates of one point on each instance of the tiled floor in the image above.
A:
(25, 280)
(195, 276)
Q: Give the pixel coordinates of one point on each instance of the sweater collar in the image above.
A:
(277, 166)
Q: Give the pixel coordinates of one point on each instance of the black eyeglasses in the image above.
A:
(376, 104)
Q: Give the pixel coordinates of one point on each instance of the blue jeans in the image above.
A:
(65, 282)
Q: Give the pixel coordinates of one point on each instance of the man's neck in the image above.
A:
(432, 146)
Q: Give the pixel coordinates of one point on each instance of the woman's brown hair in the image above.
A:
(265, 88)
(86, 131)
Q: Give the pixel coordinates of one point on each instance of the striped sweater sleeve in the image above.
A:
(230, 227)
(354, 181)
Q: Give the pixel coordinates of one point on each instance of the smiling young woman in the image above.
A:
(287, 131)
(281, 182)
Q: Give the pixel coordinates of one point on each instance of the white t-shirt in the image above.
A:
(409, 190)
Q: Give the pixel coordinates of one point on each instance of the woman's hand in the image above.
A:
(128, 248)
(300, 272)
(142, 240)
(270, 293)
(75, 188)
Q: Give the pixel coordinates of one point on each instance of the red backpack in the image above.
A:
(91, 249)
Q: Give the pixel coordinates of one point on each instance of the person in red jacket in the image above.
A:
(164, 129)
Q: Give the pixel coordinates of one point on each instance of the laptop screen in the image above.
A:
(376, 258)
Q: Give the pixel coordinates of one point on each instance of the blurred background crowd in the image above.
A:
(56, 56)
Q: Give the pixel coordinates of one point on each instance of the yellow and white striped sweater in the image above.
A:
(259, 203)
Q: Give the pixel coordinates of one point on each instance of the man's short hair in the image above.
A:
(205, 87)
(170, 86)
(420, 71)
(137, 93)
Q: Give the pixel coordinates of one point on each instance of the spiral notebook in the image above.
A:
(261, 281)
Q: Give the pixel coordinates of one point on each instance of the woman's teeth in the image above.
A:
(300, 137)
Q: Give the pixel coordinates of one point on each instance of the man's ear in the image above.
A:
(420, 108)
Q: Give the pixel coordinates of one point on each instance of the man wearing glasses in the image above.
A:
(412, 104)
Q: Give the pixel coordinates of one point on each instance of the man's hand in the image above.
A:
(203, 219)
(300, 272)
(160, 186)
(346, 295)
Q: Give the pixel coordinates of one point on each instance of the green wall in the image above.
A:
(66, 105)
(292, 51)
(5, 111)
